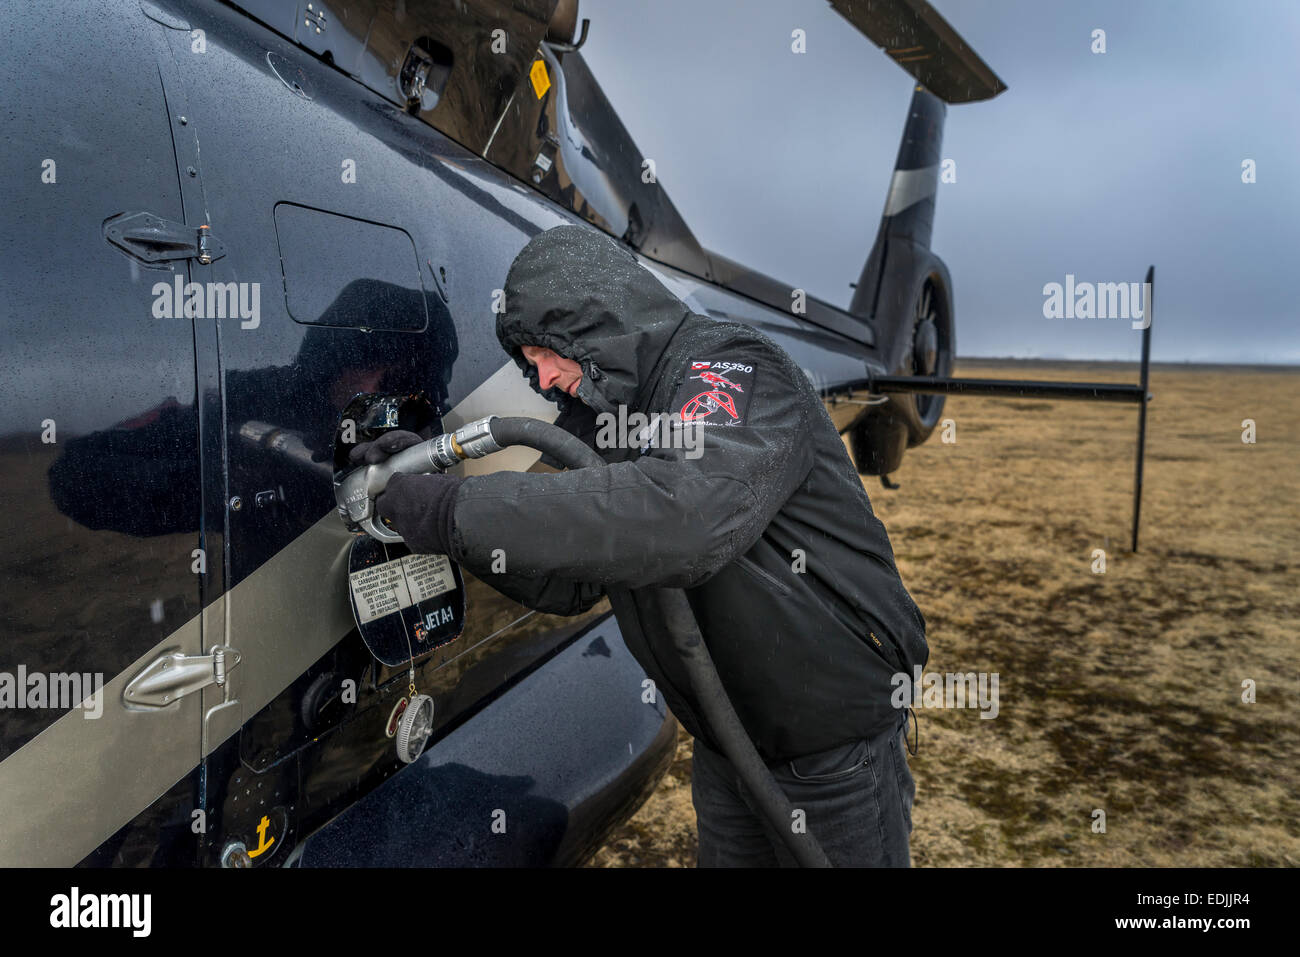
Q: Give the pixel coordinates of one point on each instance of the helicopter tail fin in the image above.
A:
(909, 206)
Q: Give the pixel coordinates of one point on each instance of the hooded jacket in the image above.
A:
(752, 505)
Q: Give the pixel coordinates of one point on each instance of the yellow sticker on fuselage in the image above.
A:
(541, 82)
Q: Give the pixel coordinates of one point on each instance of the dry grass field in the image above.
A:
(1120, 691)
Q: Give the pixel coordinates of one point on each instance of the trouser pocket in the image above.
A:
(849, 800)
(834, 764)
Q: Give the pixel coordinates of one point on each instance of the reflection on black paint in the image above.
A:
(305, 399)
(141, 476)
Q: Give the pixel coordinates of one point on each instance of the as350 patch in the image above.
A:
(715, 392)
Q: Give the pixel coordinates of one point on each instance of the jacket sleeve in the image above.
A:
(549, 594)
(554, 596)
(673, 516)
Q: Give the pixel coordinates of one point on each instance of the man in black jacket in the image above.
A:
(764, 522)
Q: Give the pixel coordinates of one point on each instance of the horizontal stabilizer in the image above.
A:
(919, 40)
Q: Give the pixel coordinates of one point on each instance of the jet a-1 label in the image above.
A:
(715, 392)
(393, 585)
(403, 604)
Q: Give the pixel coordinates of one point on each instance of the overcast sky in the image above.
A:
(1089, 164)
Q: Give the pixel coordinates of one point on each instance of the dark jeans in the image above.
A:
(857, 799)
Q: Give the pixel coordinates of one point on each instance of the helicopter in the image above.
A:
(257, 232)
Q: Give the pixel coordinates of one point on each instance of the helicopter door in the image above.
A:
(102, 553)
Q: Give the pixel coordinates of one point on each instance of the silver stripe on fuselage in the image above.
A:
(68, 789)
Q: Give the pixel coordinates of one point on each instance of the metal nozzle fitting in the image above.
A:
(471, 441)
(474, 440)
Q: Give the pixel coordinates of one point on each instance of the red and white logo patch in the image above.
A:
(714, 392)
(706, 403)
(718, 382)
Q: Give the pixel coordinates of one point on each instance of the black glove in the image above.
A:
(388, 444)
(421, 507)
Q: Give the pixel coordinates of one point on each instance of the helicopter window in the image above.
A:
(341, 271)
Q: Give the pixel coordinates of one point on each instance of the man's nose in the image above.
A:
(546, 374)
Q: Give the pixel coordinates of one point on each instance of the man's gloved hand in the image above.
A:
(421, 507)
(418, 506)
(388, 444)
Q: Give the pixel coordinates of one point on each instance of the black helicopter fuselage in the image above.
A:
(213, 240)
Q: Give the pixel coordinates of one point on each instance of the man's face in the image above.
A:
(553, 369)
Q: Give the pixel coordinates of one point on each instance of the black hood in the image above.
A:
(579, 293)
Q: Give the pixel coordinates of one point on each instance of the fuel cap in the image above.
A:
(414, 728)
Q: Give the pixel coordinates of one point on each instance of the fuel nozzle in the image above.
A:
(471, 441)
(355, 493)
